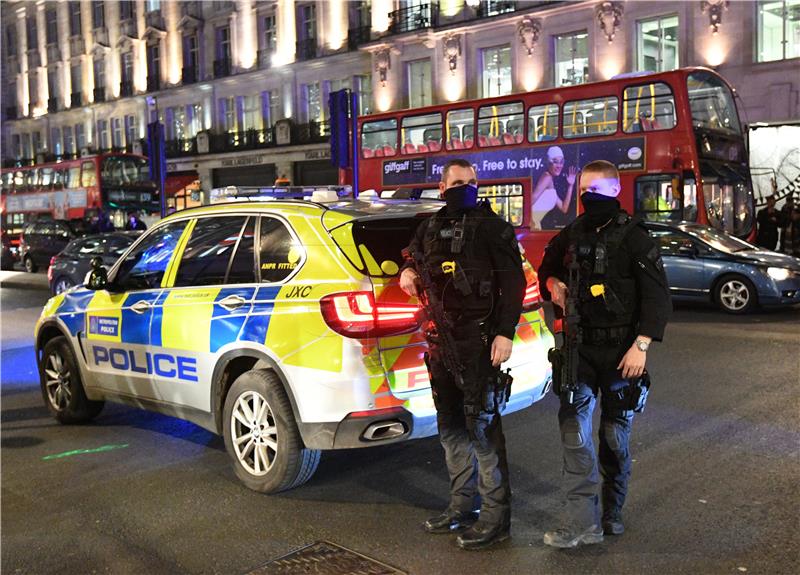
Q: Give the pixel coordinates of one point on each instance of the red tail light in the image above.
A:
(50, 269)
(355, 314)
(532, 296)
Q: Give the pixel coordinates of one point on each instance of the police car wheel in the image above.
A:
(735, 294)
(261, 435)
(30, 265)
(61, 384)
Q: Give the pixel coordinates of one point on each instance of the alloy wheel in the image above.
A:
(57, 382)
(62, 285)
(254, 433)
(734, 295)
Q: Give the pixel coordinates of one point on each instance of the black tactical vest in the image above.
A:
(607, 289)
(460, 267)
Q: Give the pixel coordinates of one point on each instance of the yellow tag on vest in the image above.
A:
(597, 290)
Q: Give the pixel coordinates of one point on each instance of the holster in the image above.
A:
(639, 392)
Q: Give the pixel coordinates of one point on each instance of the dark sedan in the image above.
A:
(704, 264)
(69, 267)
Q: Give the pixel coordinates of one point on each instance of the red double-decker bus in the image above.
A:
(115, 183)
(675, 136)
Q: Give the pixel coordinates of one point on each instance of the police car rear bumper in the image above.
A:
(360, 429)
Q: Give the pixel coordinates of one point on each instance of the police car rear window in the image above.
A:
(379, 244)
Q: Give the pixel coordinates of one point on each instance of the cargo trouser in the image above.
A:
(473, 440)
(596, 372)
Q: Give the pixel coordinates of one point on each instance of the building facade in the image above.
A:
(241, 86)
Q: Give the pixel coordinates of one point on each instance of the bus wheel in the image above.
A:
(735, 294)
(261, 435)
(30, 265)
(62, 387)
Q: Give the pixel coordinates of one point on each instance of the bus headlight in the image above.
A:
(778, 273)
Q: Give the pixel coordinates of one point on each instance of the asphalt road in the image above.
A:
(715, 489)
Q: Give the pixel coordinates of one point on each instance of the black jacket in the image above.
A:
(638, 257)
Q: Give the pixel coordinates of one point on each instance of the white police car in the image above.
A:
(278, 324)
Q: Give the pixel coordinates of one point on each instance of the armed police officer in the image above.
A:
(464, 264)
(623, 305)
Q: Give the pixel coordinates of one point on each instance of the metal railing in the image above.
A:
(11, 112)
(75, 100)
(153, 83)
(222, 68)
(265, 57)
(413, 18)
(189, 75)
(495, 7)
(125, 89)
(99, 94)
(52, 105)
(357, 36)
(306, 49)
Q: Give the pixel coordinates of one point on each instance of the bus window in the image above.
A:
(421, 134)
(74, 177)
(496, 122)
(460, 129)
(58, 179)
(647, 108)
(19, 180)
(379, 138)
(31, 178)
(46, 175)
(595, 117)
(689, 196)
(543, 123)
(712, 103)
(657, 200)
(89, 174)
(506, 201)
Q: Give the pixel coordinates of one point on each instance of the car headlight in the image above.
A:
(778, 273)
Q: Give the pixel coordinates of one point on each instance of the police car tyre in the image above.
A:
(261, 435)
(62, 388)
(735, 294)
(30, 265)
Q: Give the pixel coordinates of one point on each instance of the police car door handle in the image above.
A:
(232, 302)
(141, 307)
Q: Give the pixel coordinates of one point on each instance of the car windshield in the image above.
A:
(720, 240)
(122, 170)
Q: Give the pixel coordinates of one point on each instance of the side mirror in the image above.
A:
(98, 276)
(689, 251)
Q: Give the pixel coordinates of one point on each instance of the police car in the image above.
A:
(277, 323)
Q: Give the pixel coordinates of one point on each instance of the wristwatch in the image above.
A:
(642, 345)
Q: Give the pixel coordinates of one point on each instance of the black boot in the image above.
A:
(612, 522)
(482, 535)
(450, 521)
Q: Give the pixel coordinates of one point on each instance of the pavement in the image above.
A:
(715, 485)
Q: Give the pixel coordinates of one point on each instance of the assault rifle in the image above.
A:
(439, 328)
(565, 358)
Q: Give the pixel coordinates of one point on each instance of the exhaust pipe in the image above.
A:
(384, 430)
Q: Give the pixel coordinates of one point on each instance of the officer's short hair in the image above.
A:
(605, 169)
(458, 162)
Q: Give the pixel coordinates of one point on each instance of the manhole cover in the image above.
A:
(325, 558)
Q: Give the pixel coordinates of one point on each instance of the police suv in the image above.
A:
(278, 323)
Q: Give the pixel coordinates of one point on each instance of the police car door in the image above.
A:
(118, 350)
(204, 306)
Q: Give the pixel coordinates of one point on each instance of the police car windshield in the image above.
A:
(720, 240)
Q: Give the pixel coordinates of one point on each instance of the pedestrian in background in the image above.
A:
(624, 304)
(134, 223)
(769, 220)
(481, 289)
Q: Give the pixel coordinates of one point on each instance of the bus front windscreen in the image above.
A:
(124, 171)
(712, 104)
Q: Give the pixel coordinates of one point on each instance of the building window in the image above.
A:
(419, 83)
(152, 5)
(25, 146)
(127, 10)
(75, 79)
(80, 136)
(51, 20)
(33, 89)
(102, 134)
(11, 40)
(227, 114)
(98, 14)
(69, 142)
(153, 67)
(308, 22)
(55, 141)
(312, 103)
(270, 107)
(190, 53)
(75, 18)
(116, 133)
(194, 119)
(36, 141)
(224, 43)
(658, 44)
(778, 30)
(30, 28)
(496, 73)
(126, 68)
(363, 87)
(52, 83)
(572, 59)
(270, 33)
(99, 73)
(130, 129)
(251, 112)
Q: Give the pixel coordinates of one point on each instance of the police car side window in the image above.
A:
(243, 268)
(209, 249)
(277, 255)
(144, 267)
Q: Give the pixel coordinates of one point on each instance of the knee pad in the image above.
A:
(571, 435)
(614, 435)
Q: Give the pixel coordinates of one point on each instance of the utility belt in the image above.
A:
(605, 335)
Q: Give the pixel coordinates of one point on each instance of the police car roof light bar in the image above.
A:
(255, 193)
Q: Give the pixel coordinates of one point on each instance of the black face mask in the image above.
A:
(599, 208)
(461, 197)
